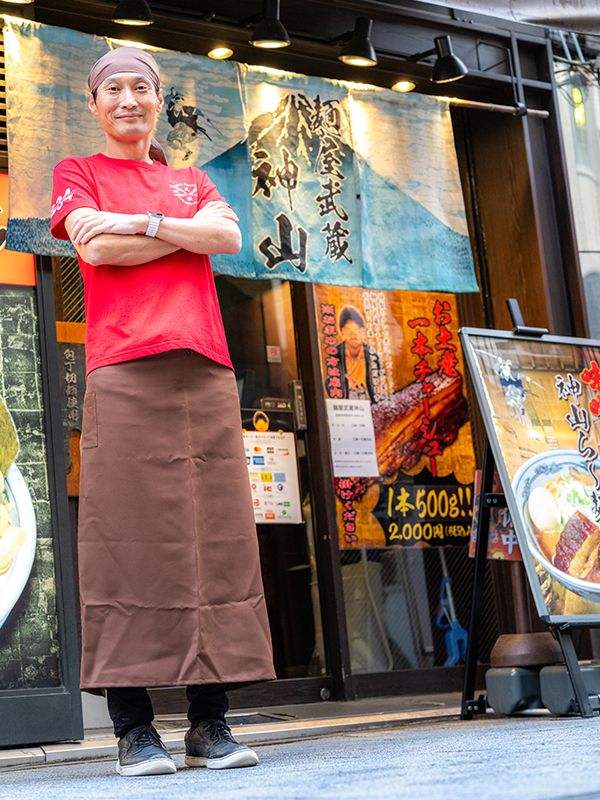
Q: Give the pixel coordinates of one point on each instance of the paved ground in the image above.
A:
(527, 759)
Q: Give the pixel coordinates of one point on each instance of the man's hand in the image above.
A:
(117, 250)
(92, 223)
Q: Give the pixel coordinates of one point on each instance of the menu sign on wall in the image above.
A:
(393, 378)
(270, 446)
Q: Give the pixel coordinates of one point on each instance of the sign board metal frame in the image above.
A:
(562, 624)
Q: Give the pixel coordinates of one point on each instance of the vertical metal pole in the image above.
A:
(469, 705)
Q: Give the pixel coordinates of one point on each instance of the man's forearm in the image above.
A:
(209, 235)
(124, 251)
(99, 236)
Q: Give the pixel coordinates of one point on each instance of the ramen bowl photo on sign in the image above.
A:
(553, 492)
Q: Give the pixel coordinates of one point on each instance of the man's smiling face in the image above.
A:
(127, 105)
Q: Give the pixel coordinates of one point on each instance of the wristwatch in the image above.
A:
(155, 219)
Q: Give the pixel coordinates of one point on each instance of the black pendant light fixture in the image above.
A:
(358, 51)
(133, 12)
(448, 67)
(270, 33)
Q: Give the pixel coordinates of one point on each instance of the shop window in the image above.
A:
(393, 610)
(403, 464)
(260, 333)
(579, 105)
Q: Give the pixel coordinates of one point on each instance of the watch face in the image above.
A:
(157, 214)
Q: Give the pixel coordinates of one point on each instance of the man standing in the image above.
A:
(171, 591)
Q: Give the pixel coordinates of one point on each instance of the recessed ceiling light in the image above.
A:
(220, 52)
(404, 86)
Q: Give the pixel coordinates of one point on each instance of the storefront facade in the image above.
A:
(353, 604)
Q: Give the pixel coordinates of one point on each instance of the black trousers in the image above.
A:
(130, 707)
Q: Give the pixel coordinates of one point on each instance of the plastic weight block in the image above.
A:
(513, 689)
(557, 691)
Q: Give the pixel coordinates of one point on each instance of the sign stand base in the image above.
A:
(586, 705)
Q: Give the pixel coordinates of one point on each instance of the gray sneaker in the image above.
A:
(211, 745)
(141, 752)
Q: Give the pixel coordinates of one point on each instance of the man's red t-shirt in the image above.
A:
(167, 304)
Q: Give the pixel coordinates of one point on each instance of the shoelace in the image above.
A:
(217, 729)
(147, 736)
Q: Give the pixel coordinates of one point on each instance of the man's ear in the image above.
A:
(161, 101)
(92, 105)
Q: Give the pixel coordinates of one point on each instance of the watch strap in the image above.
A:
(154, 222)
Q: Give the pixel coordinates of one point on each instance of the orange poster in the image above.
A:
(15, 268)
(399, 352)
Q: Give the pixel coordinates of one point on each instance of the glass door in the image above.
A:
(259, 324)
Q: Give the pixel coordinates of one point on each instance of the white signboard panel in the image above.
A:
(272, 466)
(352, 438)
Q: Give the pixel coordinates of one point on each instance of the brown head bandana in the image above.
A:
(128, 59)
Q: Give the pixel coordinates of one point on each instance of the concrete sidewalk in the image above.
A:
(527, 758)
(250, 726)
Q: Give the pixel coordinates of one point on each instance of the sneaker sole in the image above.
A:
(245, 758)
(155, 766)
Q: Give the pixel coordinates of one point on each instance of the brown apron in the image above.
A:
(171, 590)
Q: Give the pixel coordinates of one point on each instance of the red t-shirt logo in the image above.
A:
(188, 192)
(60, 201)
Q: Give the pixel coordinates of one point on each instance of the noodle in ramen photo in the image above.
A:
(560, 514)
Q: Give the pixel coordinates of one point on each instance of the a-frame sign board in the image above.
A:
(540, 399)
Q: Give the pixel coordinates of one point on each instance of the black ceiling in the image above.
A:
(401, 28)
